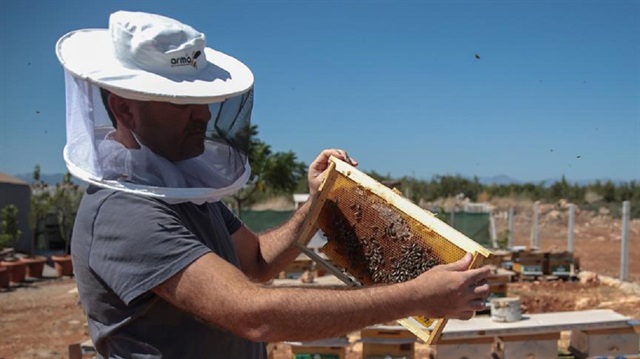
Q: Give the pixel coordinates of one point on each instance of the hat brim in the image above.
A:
(88, 54)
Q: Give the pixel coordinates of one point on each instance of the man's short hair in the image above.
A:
(105, 101)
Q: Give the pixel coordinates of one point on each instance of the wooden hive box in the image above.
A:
(387, 342)
(531, 346)
(529, 263)
(465, 348)
(499, 256)
(619, 342)
(378, 236)
(305, 352)
(330, 348)
(498, 280)
(559, 264)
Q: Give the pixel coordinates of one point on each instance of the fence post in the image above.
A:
(510, 240)
(624, 249)
(492, 230)
(534, 229)
(452, 216)
(572, 221)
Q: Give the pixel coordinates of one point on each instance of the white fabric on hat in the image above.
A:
(133, 59)
(165, 46)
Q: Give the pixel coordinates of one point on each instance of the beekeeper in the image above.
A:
(158, 126)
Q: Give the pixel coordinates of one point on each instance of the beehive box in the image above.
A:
(465, 348)
(330, 348)
(620, 342)
(378, 236)
(387, 342)
(529, 257)
(300, 352)
(498, 280)
(533, 346)
(559, 264)
(499, 256)
(529, 263)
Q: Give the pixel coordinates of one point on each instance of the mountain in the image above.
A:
(498, 180)
(616, 182)
(547, 182)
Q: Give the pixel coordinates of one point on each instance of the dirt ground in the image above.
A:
(41, 318)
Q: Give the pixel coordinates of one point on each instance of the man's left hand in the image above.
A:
(320, 165)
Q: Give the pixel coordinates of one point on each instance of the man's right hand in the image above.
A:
(452, 290)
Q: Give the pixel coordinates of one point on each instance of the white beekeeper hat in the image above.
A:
(149, 57)
(153, 58)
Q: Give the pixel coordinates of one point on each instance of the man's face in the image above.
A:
(176, 132)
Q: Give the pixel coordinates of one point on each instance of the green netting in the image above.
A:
(260, 221)
(473, 225)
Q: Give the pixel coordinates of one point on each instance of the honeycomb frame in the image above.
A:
(377, 236)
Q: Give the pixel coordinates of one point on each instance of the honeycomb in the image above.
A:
(379, 237)
(374, 243)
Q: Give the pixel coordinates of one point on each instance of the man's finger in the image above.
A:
(478, 274)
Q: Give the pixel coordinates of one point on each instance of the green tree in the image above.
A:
(40, 207)
(559, 189)
(609, 192)
(273, 172)
(451, 186)
(9, 226)
(503, 239)
(64, 202)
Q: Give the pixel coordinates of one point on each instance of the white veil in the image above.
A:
(92, 155)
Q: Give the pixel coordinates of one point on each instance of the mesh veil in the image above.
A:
(92, 155)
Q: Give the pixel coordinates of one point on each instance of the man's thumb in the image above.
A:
(461, 264)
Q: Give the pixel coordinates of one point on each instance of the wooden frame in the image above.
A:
(451, 244)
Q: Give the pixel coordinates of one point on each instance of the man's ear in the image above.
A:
(122, 111)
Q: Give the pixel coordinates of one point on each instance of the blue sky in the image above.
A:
(556, 90)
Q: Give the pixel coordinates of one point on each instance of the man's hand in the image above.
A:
(453, 291)
(321, 163)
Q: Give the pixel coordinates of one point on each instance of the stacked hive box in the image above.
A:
(501, 258)
(621, 342)
(559, 264)
(466, 348)
(498, 280)
(331, 348)
(392, 342)
(528, 263)
(543, 345)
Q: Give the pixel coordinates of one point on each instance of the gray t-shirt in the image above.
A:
(123, 246)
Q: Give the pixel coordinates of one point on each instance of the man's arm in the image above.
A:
(263, 256)
(217, 292)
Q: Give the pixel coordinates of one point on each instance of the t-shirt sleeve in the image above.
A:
(138, 243)
(232, 222)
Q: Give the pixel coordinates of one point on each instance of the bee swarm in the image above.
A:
(371, 241)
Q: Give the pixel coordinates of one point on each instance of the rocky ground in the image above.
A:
(41, 318)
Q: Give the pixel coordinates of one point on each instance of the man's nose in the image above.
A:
(200, 113)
